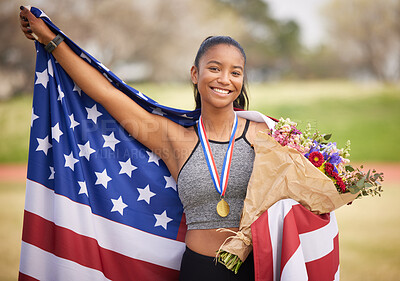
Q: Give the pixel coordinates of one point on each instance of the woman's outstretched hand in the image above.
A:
(33, 27)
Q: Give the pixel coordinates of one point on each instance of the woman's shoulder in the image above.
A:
(254, 128)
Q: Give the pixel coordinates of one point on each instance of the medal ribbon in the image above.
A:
(220, 185)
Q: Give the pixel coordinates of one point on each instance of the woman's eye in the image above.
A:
(213, 68)
(235, 73)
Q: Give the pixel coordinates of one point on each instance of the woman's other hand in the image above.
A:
(34, 28)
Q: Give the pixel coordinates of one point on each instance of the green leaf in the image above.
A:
(327, 136)
(354, 189)
(367, 176)
(349, 168)
(361, 182)
(368, 184)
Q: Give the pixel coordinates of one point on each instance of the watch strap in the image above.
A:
(54, 43)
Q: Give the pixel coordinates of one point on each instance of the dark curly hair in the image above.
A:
(242, 100)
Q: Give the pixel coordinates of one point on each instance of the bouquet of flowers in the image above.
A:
(304, 166)
(332, 161)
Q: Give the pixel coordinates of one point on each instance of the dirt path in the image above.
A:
(17, 172)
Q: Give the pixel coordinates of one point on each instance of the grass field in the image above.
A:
(12, 196)
(369, 238)
(367, 114)
(369, 235)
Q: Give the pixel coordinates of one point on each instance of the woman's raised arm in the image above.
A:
(156, 132)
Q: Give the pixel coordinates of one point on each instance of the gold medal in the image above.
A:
(223, 208)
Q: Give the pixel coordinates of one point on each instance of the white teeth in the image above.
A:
(221, 91)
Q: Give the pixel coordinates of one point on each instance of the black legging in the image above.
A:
(197, 267)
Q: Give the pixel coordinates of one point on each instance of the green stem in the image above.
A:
(231, 262)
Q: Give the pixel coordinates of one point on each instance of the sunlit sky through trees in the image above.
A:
(305, 13)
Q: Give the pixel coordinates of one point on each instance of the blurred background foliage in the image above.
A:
(347, 84)
(156, 40)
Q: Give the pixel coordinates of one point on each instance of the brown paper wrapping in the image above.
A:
(281, 172)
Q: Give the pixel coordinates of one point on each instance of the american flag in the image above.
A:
(291, 243)
(99, 204)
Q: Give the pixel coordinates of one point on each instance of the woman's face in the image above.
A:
(219, 76)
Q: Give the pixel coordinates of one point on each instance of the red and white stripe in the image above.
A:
(227, 167)
(204, 139)
(291, 243)
(86, 252)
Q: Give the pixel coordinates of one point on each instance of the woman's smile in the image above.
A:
(221, 91)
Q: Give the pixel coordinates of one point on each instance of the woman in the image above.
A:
(218, 76)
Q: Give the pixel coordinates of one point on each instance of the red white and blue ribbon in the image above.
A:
(220, 183)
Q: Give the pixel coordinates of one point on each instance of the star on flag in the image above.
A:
(110, 141)
(60, 93)
(56, 132)
(42, 78)
(50, 68)
(34, 117)
(77, 89)
(73, 122)
(52, 171)
(93, 113)
(83, 188)
(153, 158)
(170, 182)
(102, 178)
(162, 220)
(118, 205)
(84, 56)
(158, 111)
(85, 150)
(127, 167)
(145, 194)
(70, 161)
(44, 144)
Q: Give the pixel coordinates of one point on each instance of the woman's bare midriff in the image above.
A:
(206, 241)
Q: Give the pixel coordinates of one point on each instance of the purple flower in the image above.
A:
(335, 158)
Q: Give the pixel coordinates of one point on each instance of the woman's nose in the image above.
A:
(223, 78)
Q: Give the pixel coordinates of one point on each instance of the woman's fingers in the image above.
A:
(39, 30)
(26, 15)
(24, 23)
(27, 32)
(30, 36)
(26, 29)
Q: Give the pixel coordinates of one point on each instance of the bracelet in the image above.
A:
(54, 43)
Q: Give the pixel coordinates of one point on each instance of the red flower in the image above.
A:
(329, 169)
(341, 184)
(316, 158)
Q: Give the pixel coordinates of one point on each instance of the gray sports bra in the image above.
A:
(196, 189)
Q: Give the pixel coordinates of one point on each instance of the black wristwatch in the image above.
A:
(54, 43)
